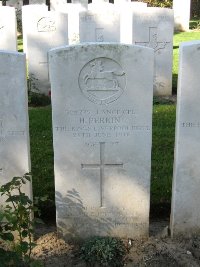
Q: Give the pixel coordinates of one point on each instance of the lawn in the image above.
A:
(178, 38)
(162, 149)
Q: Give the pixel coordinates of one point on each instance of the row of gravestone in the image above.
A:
(102, 132)
(181, 15)
(43, 30)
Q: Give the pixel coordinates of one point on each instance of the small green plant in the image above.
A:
(105, 251)
(17, 223)
(35, 98)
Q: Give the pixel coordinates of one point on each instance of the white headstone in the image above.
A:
(26, 14)
(0, 3)
(102, 113)
(46, 30)
(100, 6)
(37, 2)
(130, 4)
(14, 130)
(15, 3)
(181, 14)
(153, 27)
(55, 4)
(99, 1)
(83, 3)
(73, 11)
(8, 28)
(186, 183)
(121, 1)
(100, 26)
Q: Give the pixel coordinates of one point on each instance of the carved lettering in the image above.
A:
(46, 24)
(99, 35)
(190, 124)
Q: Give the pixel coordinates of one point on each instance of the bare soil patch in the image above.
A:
(159, 250)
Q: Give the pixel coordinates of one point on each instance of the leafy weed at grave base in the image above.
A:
(105, 251)
(17, 224)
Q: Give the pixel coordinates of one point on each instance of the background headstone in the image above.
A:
(100, 26)
(37, 2)
(100, 6)
(46, 30)
(17, 4)
(126, 9)
(99, 1)
(27, 11)
(129, 4)
(8, 28)
(73, 11)
(181, 14)
(83, 3)
(102, 113)
(55, 4)
(185, 214)
(121, 1)
(14, 129)
(153, 27)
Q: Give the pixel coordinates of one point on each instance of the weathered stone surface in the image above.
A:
(129, 4)
(102, 113)
(100, 5)
(153, 27)
(181, 14)
(37, 2)
(83, 3)
(73, 11)
(186, 183)
(55, 4)
(8, 29)
(46, 30)
(27, 11)
(100, 26)
(14, 130)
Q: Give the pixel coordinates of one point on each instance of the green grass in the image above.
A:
(20, 43)
(162, 152)
(178, 38)
(195, 23)
(41, 151)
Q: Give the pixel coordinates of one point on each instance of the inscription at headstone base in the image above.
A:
(185, 211)
(102, 112)
(14, 132)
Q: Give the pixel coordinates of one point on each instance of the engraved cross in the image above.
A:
(102, 165)
(153, 42)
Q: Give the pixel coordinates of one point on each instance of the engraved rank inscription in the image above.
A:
(102, 80)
